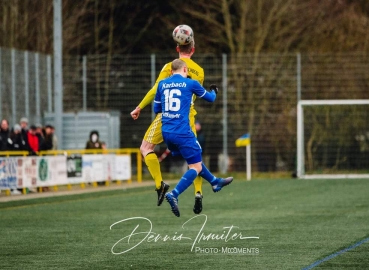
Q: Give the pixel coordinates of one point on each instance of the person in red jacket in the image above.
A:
(33, 140)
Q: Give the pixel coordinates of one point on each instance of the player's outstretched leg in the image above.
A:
(216, 183)
(183, 184)
(161, 192)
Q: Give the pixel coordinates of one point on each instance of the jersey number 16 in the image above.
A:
(172, 103)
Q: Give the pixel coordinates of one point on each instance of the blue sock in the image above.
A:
(208, 176)
(185, 182)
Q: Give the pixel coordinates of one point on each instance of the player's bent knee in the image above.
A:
(146, 147)
(142, 150)
(196, 166)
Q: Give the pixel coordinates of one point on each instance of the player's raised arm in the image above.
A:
(157, 101)
(201, 92)
(150, 95)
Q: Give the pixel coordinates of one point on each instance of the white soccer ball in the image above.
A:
(183, 34)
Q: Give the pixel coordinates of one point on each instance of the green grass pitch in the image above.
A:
(298, 222)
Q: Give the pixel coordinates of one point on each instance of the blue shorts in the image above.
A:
(185, 145)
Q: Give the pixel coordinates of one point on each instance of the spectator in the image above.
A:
(24, 126)
(39, 133)
(4, 135)
(16, 143)
(94, 142)
(33, 141)
(200, 136)
(47, 143)
(55, 139)
(16, 140)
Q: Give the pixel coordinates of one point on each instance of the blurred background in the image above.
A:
(264, 55)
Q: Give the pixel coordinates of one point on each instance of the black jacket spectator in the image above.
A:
(16, 140)
(47, 143)
(4, 135)
(24, 126)
(40, 135)
(94, 142)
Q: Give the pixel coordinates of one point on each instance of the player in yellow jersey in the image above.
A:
(153, 134)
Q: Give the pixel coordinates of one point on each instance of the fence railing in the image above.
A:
(54, 168)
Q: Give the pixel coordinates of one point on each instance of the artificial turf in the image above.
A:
(298, 222)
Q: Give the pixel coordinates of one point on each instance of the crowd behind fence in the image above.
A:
(262, 91)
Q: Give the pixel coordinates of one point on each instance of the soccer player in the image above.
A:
(173, 99)
(153, 134)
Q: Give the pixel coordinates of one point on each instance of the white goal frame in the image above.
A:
(300, 137)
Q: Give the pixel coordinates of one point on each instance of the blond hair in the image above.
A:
(177, 64)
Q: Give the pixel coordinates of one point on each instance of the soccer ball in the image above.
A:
(183, 34)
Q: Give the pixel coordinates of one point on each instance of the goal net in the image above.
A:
(332, 139)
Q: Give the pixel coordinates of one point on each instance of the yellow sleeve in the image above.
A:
(201, 78)
(149, 97)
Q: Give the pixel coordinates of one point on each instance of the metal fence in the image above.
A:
(25, 85)
(258, 95)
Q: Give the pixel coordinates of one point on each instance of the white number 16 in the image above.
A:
(172, 103)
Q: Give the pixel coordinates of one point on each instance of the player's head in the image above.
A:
(179, 67)
(187, 49)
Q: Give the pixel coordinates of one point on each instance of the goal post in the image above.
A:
(301, 140)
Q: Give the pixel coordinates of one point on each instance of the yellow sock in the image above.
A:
(153, 165)
(197, 183)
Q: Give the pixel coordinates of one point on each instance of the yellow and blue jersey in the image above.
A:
(194, 70)
(153, 134)
(174, 98)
